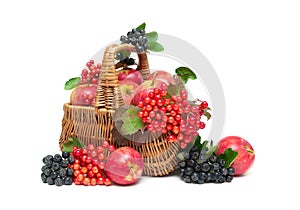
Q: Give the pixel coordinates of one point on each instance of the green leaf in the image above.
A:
(180, 155)
(130, 113)
(197, 141)
(152, 37)
(185, 74)
(229, 156)
(125, 54)
(142, 26)
(211, 150)
(72, 83)
(155, 47)
(131, 126)
(67, 146)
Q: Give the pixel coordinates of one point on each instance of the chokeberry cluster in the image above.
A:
(90, 75)
(89, 164)
(56, 171)
(174, 116)
(198, 168)
(137, 38)
(125, 60)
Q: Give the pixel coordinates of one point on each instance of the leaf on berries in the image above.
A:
(155, 47)
(67, 146)
(130, 113)
(203, 145)
(175, 89)
(72, 83)
(197, 141)
(211, 150)
(142, 26)
(152, 37)
(229, 156)
(131, 126)
(207, 114)
(185, 74)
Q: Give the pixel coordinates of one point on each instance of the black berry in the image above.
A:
(44, 178)
(65, 154)
(58, 181)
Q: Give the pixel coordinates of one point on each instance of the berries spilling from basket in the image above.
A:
(155, 105)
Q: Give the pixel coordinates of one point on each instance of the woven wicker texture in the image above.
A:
(95, 124)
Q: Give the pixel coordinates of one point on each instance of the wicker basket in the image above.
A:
(94, 124)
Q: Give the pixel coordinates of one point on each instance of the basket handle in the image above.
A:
(109, 94)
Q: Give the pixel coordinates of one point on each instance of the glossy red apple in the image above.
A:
(124, 166)
(128, 89)
(84, 95)
(130, 75)
(246, 154)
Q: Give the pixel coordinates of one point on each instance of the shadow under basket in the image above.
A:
(94, 124)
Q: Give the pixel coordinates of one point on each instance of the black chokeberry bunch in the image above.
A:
(137, 38)
(196, 167)
(55, 170)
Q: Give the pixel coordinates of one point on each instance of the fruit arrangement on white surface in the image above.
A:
(156, 105)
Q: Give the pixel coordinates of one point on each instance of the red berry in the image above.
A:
(163, 93)
(202, 125)
(76, 166)
(111, 148)
(156, 91)
(163, 109)
(100, 149)
(89, 166)
(174, 98)
(204, 105)
(100, 181)
(147, 100)
(140, 114)
(94, 81)
(105, 144)
(76, 172)
(93, 181)
(84, 72)
(101, 165)
(150, 127)
(169, 107)
(83, 151)
(91, 147)
(155, 108)
(175, 129)
(164, 86)
(182, 145)
(86, 181)
(159, 102)
(101, 156)
(182, 92)
(170, 119)
(157, 97)
(166, 101)
(151, 94)
(178, 117)
(173, 113)
(169, 127)
(175, 107)
(145, 114)
(164, 118)
(93, 154)
(153, 102)
(91, 62)
(84, 170)
(171, 138)
(80, 177)
(180, 136)
(107, 182)
(95, 169)
(140, 104)
(148, 107)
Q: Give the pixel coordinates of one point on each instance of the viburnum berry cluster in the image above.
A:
(89, 164)
(90, 75)
(172, 115)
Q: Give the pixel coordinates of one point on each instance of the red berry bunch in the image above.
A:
(175, 116)
(89, 164)
(153, 111)
(90, 75)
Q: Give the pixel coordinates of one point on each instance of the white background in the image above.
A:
(254, 47)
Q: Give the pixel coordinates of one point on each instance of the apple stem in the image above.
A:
(249, 150)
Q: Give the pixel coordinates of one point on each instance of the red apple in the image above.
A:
(130, 75)
(162, 76)
(124, 166)
(84, 95)
(246, 154)
(128, 89)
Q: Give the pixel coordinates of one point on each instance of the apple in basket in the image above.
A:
(157, 79)
(124, 166)
(128, 89)
(130, 75)
(84, 95)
